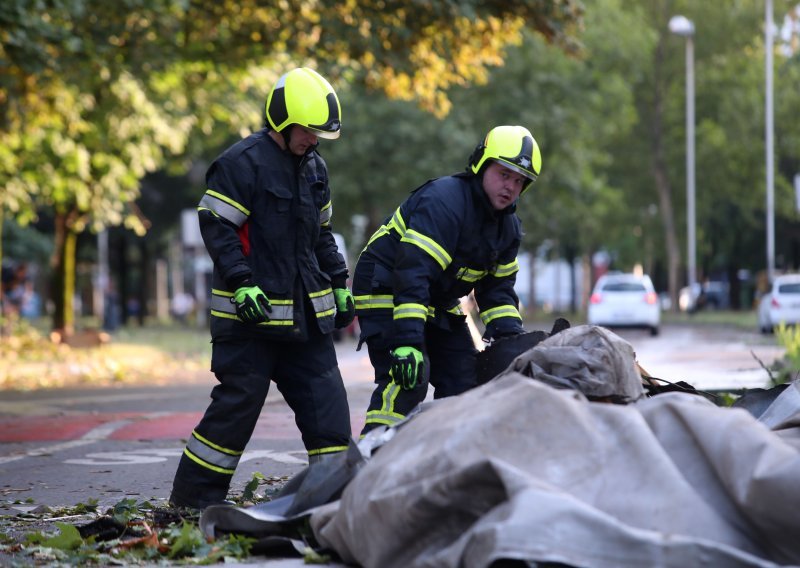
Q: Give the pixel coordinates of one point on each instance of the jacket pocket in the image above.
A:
(280, 198)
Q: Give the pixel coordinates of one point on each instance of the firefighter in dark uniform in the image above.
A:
(454, 235)
(278, 289)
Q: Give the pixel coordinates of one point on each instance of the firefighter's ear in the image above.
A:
(475, 157)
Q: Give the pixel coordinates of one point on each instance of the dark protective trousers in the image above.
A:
(308, 377)
(450, 358)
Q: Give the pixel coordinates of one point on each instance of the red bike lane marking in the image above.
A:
(140, 426)
(55, 428)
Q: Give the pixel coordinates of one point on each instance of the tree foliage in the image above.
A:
(96, 95)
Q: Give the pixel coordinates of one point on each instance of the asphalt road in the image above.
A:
(62, 447)
(705, 356)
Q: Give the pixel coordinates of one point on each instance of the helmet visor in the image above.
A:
(333, 126)
(330, 130)
(520, 169)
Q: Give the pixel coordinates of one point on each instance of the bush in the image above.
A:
(788, 368)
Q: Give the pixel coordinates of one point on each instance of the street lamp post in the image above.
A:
(682, 26)
(770, 137)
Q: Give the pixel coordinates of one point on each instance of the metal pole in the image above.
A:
(690, 168)
(770, 135)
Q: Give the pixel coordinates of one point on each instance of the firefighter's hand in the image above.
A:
(493, 334)
(252, 305)
(407, 367)
(345, 307)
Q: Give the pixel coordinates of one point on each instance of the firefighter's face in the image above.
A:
(502, 185)
(301, 140)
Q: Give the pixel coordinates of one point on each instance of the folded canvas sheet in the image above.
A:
(518, 469)
(524, 468)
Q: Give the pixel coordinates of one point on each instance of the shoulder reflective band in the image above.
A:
(382, 230)
(396, 223)
(323, 302)
(225, 207)
(428, 245)
(325, 215)
(369, 302)
(503, 270)
(507, 311)
(410, 311)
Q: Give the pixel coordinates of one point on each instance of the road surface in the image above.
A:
(64, 446)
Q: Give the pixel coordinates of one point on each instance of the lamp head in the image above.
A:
(681, 25)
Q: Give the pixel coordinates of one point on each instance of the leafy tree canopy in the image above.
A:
(97, 94)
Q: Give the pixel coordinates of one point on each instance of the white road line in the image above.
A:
(149, 456)
(97, 434)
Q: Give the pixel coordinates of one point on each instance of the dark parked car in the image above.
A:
(713, 295)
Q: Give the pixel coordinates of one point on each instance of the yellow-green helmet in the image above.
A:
(303, 96)
(513, 147)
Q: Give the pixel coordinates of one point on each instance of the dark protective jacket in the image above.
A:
(443, 242)
(265, 220)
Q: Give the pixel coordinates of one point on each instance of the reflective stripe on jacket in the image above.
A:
(265, 217)
(443, 242)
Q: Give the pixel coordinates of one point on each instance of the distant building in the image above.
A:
(552, 283)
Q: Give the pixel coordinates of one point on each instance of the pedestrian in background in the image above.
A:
(278, 289)
(454, 235)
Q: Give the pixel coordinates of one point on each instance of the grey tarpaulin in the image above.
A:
(283, 518)
(516, 469)
(587, 358)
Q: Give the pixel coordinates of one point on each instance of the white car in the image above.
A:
(781, 304)
(625, 300)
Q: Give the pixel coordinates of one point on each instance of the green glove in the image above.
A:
(345, 308)
(407, 367)
(252, 305)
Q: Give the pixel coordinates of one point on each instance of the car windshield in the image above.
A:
(623, 287)
(789, 288)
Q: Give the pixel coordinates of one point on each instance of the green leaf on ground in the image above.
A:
(68, 538)
(249, 492)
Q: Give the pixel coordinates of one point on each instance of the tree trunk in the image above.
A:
(146, 283)
(57, 266)
(63, 266)
(734, 288)
(121, 245)
(663, 186)
(570, 252)
(586, 282)
(70, 244)
(2, 298)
